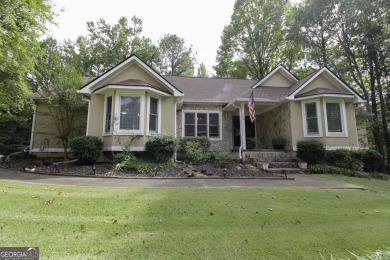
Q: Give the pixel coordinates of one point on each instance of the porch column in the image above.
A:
(242, 127)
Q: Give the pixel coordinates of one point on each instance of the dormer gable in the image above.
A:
(280, 76)
(323, 82)
(132, 68)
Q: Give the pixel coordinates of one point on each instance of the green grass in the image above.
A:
(117, 223)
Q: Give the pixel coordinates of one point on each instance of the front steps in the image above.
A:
(275, 161)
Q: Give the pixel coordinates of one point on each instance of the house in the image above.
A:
(132, 99)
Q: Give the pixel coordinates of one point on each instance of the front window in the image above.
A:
(333, 115)
(311, 115)
(130, 113)
(311, 118)
(202, 124)
(335, 118)
(153, 115)
(107, 127)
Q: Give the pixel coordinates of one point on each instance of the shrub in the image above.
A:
(372, 161)
(86, 148)
(321, 169)
(311, 151)
(218, 157)
(279, 142)
(162, 147)
(203, 141)
(194, 152)
(344, 158)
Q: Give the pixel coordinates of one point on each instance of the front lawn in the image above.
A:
(117, 223)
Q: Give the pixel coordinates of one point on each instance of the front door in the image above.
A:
(250, 132)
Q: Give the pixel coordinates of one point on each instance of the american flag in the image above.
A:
(251, 106)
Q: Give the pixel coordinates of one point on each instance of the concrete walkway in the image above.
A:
(300, 181)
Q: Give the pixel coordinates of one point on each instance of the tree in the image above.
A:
(57, 80)
(317, 22)
(251, 45)
(202, 71)
(176, 58)
(106, 45)
(21, 25)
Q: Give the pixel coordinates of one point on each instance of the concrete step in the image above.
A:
(287, 170)
(283, 165)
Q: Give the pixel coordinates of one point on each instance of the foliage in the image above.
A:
(279, 142)
(311, 151)
(106, 45)
(326, 169)
(219, 157)
(142, 166)
(58, 81)
(377, 255)
(15, 131)
(22, 23)
(194, 149)
(176, 58)
(86, 148)
(203, 141)
(343, 158)
(372, 160)
(252, 44)
(194, 153)
(322, 169)
(202, 71)
(162, 147)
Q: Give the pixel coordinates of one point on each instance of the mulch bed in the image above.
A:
(233, 170)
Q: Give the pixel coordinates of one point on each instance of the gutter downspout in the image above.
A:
(240, 112)
(175, 127)
(89, 111)
(33, 128)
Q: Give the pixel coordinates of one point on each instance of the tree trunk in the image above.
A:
(385, 129)
(374, 107)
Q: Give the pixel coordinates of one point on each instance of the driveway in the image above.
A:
(300, 181)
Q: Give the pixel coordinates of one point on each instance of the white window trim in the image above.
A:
(104, 114)
(344, 132)
(158, 115)
(304, 119)
(208, 125)
(118, 96)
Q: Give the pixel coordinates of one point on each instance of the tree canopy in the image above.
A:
(176, 58)
(21, 25)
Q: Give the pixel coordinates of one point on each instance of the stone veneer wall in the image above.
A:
(226, 143)
(274, 123)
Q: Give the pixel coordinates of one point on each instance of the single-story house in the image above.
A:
(132, 99)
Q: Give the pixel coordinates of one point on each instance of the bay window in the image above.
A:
(108, 115)
(153, 115)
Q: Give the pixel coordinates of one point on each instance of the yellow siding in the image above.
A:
(319, 82)
(45, 132)
(331, 142)
(277, 80)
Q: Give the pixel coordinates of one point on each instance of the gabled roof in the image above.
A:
(280, 68)
(131, 83)
(88, 88)
(323, 91)
(210, 89)
(298, 86)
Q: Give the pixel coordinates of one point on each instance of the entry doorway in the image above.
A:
(250, 132)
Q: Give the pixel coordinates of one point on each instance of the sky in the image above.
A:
(199, 22)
